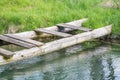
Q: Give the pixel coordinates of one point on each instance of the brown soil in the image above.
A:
(110, 4)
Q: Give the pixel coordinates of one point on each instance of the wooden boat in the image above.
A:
(35, 48)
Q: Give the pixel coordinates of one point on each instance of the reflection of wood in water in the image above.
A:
(78, 65)
(102, 69)
(110, 68)
(97, 72)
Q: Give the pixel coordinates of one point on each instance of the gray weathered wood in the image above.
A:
(17, 42)
(32, 34)
(6, 53)
(58, 44)
(62, 43)
(61, 34)
(73, 27)
(37, 43)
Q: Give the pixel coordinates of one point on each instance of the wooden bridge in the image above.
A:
(37, 48)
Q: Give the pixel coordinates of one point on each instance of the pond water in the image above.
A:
(99, 63)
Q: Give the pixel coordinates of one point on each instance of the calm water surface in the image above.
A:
(99, 63)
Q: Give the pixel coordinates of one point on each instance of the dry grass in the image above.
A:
(111, 4)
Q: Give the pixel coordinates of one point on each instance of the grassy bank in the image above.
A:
(22, 15)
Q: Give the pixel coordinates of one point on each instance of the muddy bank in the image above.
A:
(111, 38)
(111, 4)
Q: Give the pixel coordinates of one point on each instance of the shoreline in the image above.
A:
(112, 38)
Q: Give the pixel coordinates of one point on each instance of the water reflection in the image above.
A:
(97, 72)
(68, 64)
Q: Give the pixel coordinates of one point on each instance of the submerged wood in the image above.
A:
(58, 44)
(6, 53)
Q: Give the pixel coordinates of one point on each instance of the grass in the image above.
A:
(32, 14)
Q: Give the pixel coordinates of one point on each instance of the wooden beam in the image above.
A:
(37, 43)
(6, 53)
(17, 42)
(63, 25)
(61, 34)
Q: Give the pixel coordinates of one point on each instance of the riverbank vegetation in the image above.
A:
(23, 15)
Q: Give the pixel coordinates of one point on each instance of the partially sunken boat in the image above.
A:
(36, 48)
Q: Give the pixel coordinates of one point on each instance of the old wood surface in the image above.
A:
(30, 41)
(6, 53)
(73, 27)
(32, 34)
(58, 44)
(61, 34)
(17, 42)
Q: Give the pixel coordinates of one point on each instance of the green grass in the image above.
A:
(32, 14)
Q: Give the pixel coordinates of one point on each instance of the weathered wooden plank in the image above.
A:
(6, 53)
(32, 34)
(61, 34)
(17, 42)
(73, 27)
(37, 43)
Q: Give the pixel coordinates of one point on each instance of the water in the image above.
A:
(98, 63)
